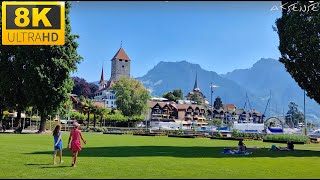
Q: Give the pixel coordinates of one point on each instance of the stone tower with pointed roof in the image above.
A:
(120, 65)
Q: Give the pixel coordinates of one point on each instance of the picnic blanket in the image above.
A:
(235, 152)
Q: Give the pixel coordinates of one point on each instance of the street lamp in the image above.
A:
(147, 93)
(211, 90)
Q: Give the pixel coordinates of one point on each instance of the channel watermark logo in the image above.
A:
(313, 6)
(33, 23)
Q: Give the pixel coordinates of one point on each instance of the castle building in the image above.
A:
(120, 66)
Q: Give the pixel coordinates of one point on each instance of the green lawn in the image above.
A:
(127, 156)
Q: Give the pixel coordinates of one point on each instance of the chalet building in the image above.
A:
(120, 66)
(231, 114)
(196, 90)
(186, 114)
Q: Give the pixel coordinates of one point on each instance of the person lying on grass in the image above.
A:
(75, 146)
(290, 147)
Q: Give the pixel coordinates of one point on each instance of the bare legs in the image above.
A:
(55, 155)
(74, 158)
(60, 154)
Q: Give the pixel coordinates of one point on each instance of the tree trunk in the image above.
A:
(17, 122)
(88, 120)
(42, 123)
(1, 113)
(101, 121)
(94, 120)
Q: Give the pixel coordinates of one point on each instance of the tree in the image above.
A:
(196, 98)
(169, 96)
(300, 45)
(87, 107)
(294, 116)
(131, 96)
(48, 70)
(83, 88)
(174, 95)
(178, 94)
(217, 103)
(12, 73)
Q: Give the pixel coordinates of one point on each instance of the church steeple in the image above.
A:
(196, 87)
(101, 82)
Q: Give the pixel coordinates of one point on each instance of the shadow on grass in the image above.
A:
(47, 167)
(179, 151)
(36, 164)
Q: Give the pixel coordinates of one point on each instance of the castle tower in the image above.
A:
(102, 83)
(120, 65)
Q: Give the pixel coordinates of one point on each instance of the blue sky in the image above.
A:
(220, 36)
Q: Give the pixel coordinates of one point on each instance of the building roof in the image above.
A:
(229, 106)
(108, 85)
(121, 54)
(98, 104)
(159, 99)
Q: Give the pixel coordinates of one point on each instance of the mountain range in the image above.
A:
(266, 77)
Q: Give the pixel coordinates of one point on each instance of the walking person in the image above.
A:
(75, 145)
(57, 143)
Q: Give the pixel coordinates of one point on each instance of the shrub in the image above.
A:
(53, 125)
(218, 134)
(235, 133)
(286, 137)
(94, 129)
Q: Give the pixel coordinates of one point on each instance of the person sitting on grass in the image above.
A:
(241, 146)
(290, 146)
(75, 146)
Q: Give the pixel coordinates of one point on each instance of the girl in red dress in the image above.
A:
(75, 146)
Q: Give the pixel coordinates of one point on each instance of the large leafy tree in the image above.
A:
(12, 74)
(294, 116)
(131, 96)
(83, 88)
(300, 44)
(48, 71)
(217, 103)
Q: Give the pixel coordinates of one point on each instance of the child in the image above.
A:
(75, 135)
(57, 143)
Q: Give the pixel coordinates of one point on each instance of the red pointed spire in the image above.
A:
(102, 78)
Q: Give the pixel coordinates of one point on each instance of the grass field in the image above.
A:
(127, 156)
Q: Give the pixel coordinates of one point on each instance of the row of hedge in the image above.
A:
(266, 137)
(286, 137)
(235, 134)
